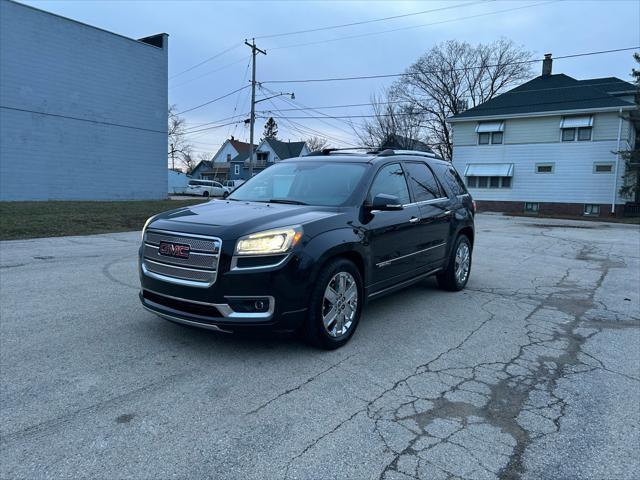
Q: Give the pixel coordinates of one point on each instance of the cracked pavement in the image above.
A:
(532, 372)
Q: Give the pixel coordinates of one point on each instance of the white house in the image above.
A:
(83, 111)
(548, 146)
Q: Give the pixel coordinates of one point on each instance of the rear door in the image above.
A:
(391, 234)
(435, 214)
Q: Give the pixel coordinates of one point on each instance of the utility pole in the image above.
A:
(173, 158)
(252, 120)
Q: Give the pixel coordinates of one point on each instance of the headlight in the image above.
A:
(279, 240)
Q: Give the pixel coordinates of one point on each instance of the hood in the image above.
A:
(229, 219)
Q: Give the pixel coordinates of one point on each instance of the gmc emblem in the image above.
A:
(178, 250)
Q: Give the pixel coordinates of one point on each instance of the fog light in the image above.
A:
(249, 305)
(259, 305)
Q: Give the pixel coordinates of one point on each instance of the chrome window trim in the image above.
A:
(389, 262)
(226, 310)
(426, 202)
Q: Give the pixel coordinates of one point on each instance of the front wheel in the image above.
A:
(336, 305)
(456, 275)
(205, 194)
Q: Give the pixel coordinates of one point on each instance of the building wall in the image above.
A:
(83, 112)
(545, 129)
(177, 182)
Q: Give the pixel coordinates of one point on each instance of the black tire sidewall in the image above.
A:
(314, 329)
(461, 239)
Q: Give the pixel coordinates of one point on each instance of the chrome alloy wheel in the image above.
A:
(462, 262)
(340, 304)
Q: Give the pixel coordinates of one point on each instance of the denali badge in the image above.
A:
(174, 250)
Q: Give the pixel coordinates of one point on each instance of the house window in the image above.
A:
(544, 167)
(603, 167)
(530, 207)
(228, 157)
(568, 134)
(490, 133)
(591, 209)
(262, 156)
(576, 128)
(584, 134)
(236, 169)
(488, 182)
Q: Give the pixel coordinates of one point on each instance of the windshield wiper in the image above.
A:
(286, 200)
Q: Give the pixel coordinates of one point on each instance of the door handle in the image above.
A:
(414, 220)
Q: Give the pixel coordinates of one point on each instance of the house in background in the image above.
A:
(400, 142)
(269, 151)
(220, 166)
(548, 146)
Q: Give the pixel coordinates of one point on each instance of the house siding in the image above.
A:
(573, 180)
(221, 155)
(83, 112)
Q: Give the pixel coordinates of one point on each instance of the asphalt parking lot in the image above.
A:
(532, 372)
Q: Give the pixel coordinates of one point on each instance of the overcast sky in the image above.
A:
(201, 29)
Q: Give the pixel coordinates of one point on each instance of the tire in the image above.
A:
(320, 307)
(205, 194)
(451, 279)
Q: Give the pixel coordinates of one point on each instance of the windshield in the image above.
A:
(306, 183)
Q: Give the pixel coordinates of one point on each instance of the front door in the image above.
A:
(391, 234)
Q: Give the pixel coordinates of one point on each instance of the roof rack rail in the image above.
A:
(391, 151)
(329, 151)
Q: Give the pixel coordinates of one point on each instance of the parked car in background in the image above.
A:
(205, 188)
(231, 185)
(306, 242)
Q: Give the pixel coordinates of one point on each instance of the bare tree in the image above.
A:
(316, 144)
(631, 157)
(445, 81)
(180, 149)
(393, 121)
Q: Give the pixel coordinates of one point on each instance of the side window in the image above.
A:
(423, 183)
(454, 181)
(390, 180)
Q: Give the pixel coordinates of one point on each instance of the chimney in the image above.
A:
(232, 137)
(546, 65)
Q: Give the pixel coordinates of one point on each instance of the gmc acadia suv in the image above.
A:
(305, 243)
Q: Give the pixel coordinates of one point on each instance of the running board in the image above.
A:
(403, 284)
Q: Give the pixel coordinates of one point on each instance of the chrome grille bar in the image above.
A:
(200, 269)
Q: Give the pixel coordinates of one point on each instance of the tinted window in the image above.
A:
(390, 180)
(312, 183)
(454, 181)
(423, 183)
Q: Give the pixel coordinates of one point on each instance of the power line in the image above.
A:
(214, 100)
(215, 122)
(352, 24)
(389, 75)
(233, 47)
(213, 127)
(209, 73)
(412, 26)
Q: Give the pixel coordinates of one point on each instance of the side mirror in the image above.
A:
(384, 202)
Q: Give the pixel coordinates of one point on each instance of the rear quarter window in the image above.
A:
(450, 178)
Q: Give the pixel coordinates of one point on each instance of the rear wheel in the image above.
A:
(456, 276)
(336, 305)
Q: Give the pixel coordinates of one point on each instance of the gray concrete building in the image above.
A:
(83, 111)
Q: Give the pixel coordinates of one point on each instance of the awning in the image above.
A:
(575, 122)
(485, 127)
(489, 170)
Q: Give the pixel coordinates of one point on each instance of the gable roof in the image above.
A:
(552, 93)
(203, 164)
(285, 149)
(240, 147)
(403, 143)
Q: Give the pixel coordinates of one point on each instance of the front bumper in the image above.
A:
(229, 303)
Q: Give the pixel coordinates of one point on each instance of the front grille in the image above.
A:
(199, 269)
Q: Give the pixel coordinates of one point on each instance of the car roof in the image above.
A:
(373, 157)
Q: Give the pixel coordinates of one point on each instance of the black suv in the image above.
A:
(305, 243)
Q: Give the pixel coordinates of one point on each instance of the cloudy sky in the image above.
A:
(200, 30)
